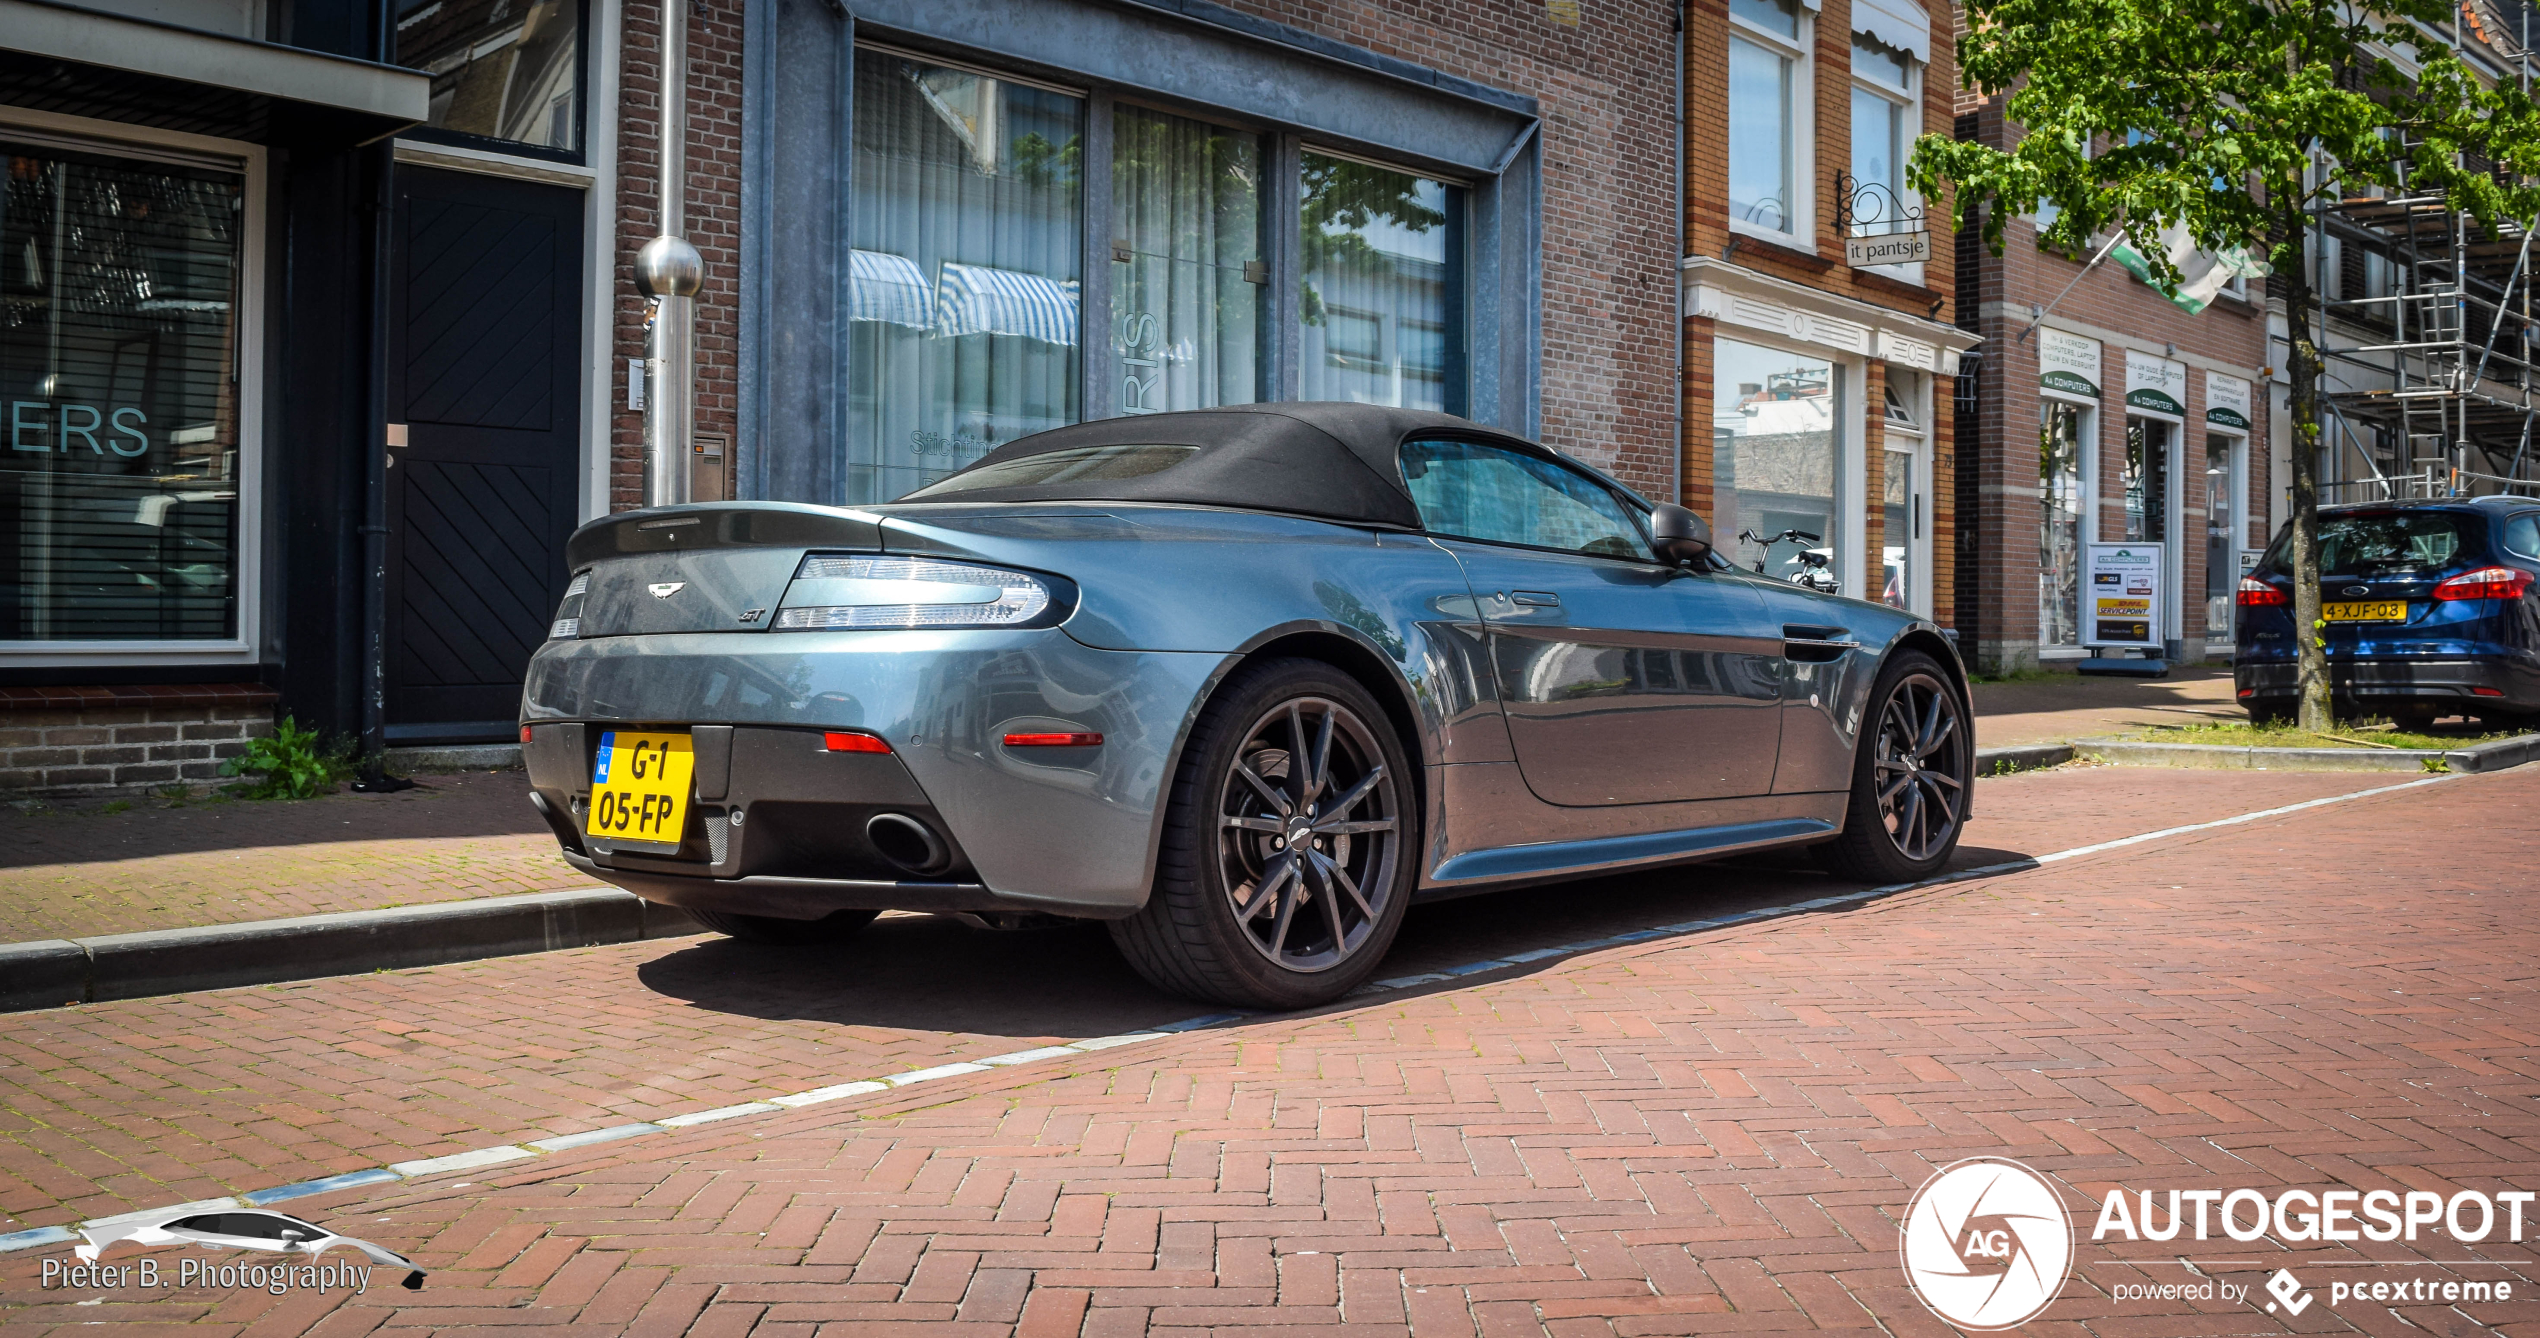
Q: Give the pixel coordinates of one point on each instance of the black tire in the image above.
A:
(1223, 922)
(835, 927)
(2413, 719)
(2266, 717)
(1912, 774)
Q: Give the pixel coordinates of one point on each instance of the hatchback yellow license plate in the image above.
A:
(640, 786)
(2368, 611)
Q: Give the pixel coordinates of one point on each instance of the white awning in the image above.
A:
(1901, 24)
(141, 47)
(981, 299)
(889, 288)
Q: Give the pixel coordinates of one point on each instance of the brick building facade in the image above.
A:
(2155, 447)
(1585, 363)
(1780, 331)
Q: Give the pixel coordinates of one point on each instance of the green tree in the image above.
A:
(2233, 119)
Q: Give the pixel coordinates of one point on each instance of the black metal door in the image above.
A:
(485, 336)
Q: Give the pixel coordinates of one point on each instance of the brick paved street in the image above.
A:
(1714, 1132)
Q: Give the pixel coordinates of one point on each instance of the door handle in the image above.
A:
(1535, 599)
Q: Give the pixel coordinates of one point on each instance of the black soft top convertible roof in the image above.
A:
(1333, 461)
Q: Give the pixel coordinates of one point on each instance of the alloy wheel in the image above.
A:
(1309, 825)
(1921, 765)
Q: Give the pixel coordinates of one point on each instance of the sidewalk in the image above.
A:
(2061, 707)
(76, 871)
(71, 872)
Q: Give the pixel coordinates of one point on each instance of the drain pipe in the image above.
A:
(669, 272)
(371, 717)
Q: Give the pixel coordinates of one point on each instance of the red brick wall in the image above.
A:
(1606, 86)
(713, 223)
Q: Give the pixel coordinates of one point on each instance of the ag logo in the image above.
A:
(1986, 1243)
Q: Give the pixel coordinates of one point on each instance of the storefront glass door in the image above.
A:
(2060, 452)
(2222, 538)
(1189, 286)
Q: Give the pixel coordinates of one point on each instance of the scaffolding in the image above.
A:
(2432, 337)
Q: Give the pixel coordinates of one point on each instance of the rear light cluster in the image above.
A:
(2257, 594)
(568, 623)
(841, 592)
(2486, 583)
(854, 741)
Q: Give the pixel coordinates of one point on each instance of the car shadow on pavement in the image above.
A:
(934, 973)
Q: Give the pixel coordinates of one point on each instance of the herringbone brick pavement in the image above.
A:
(1708, 1134)
(111, 1107)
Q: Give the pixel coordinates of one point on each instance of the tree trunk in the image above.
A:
(2303, 551)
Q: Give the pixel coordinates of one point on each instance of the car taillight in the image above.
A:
(841, 741)
(568, 623)
(847, 592)
(2257, 594)
(2486, 583)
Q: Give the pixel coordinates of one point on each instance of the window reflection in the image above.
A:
(118, 337)
(503, 69)
(1773, 453)
(1381, 301)
(963, 285)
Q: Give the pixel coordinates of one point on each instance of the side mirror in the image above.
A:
(1681, 537)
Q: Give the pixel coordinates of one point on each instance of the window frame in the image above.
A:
(1910, 99)
(1635, 509)
(1801, 125)
(115, 139)
(428, 133)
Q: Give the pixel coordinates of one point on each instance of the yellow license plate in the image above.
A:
(2369, 611)
(639, 787)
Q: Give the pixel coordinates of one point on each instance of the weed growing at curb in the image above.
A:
(290, 763)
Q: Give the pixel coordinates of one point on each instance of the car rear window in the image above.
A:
(2386, 543)
(1062, 466)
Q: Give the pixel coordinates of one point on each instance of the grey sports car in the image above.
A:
(1244, 683)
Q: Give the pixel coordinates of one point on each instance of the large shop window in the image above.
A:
(1189, 282)
(119, 348)
(1381, 297)
(2059, 473)
(1773, 463)
(501, 69)
(1767, 86)
(968, 235)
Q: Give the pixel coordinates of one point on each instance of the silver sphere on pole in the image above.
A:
(669, 267)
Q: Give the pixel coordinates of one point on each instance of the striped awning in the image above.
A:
(980, 299)
(889, 288)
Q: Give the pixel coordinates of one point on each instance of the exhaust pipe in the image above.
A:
(908, 843)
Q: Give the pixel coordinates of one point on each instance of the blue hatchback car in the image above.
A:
(2431, 611)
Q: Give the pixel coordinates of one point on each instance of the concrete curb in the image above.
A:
(2024, 757)
(50, 973)
(455, 757)
(2494, 756)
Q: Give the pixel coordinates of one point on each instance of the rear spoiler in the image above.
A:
(706, 525)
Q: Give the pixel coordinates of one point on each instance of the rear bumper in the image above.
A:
(2444, 681)
(1063, 830)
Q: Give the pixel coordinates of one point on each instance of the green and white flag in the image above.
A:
(2201, 274)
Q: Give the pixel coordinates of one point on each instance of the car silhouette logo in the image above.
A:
(665, 589)
(2356, 590)
(238, 1230)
